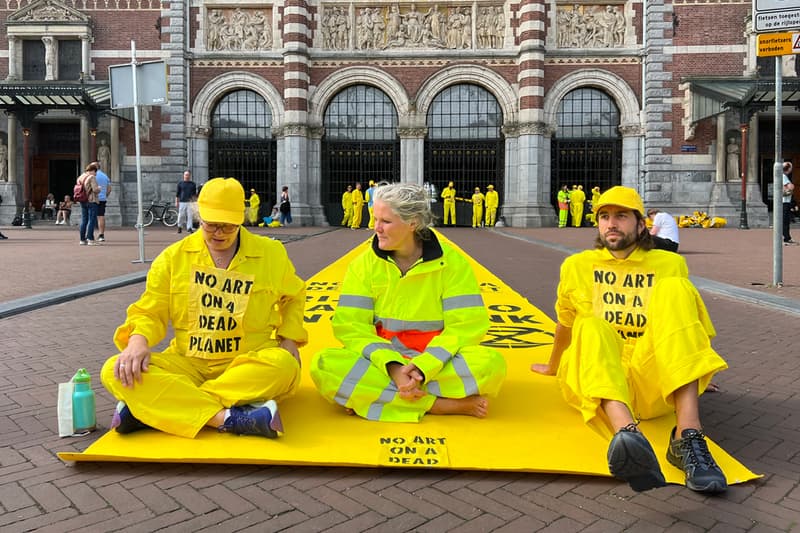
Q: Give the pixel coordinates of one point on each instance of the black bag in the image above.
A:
(79, 192)
(17, 220)
(285, 207)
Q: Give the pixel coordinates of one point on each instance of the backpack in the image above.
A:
(79, 192)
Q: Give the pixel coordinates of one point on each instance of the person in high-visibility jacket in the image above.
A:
(347, 206)
(449, 196)
(492, 202)
(576, 199)
(252, 210)
(369, 199)
(235, 305)
(633, 342)
(563, 206)
(358, 206)
(411, 319)
(477, 208)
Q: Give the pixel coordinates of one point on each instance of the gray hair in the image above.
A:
(410, 202)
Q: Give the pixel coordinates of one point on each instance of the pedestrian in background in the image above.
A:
(347, 206)
(88, 208)
(285, 206)
(788, 193)
(105, 189)
(187, 190)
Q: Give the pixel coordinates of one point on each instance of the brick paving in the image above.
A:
(755, 416)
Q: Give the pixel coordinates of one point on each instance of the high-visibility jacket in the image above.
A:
(347, 200)
(433, 315)
(252, 210)
(449, 194)
(492, 199)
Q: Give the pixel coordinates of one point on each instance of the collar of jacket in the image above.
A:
(637, 255)
(431, 249)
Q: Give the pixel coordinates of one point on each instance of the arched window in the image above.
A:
(360, 144)
(241, 145)
(587, 113)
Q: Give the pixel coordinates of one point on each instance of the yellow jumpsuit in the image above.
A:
(358, 208)
(477, 210)
(433, 316)
(492, 202)
(252, 211)
(347, 208)
(449, 196)
(225, 350)
(595, 198)
(576, 199)
(640, 331)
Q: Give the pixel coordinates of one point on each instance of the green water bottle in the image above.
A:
(83, 403)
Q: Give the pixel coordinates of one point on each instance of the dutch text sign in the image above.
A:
(776, 15)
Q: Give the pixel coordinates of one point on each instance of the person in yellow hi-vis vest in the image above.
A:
(411, 319)
(449, 196)
(477, 208)
(358, 206)
(347, 206)
(252, 209)
(563, 206)
(368, 198)
(235, 305)
(492, 202)
(576, 199)
(633, 342)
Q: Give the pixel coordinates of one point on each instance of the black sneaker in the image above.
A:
(260, 419)
(179, 230)
(690, 454)
(632, 459)
(124, 421)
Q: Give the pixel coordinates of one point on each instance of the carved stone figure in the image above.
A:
(49, 57)
(104, 156)
(245, 29)
(3, 161)
(732, 173)
(590, 26)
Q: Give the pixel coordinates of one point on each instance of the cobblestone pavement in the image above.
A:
(755, 416)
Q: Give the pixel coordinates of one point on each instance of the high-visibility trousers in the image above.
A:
(562, 217)
(358, 212)
(371, 224)
(180, 394)
(491, 216)
(450, 212)
(477, 216)
(576, 211)
(348, 217)
(674, 350)
(352, 381)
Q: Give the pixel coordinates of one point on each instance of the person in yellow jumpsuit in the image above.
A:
(563, 206)
(235, 305)
(576, 199)
(492, 202)
(368, 198)
(477, 208)
(449, 196)
(411, 319)
(595, 198)
(347, 206)
(252, 210)
(633, 342)
(358, 207)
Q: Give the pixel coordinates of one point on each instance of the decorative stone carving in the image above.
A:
(3, 161)
(630, 130)
(412, 133)
(47, 11)
(535, 128)
(238, 29)
(732, 167)
(590, 26)
(405, 26)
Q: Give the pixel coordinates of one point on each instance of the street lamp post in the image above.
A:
(743, 166)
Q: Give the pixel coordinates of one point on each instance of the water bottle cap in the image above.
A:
(81, 376)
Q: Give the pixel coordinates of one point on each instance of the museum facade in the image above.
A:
(667, 97)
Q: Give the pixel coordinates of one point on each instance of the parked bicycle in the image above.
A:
(163, 211)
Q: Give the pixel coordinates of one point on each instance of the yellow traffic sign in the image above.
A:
(778, 44)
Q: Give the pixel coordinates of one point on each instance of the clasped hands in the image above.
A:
(408, 379)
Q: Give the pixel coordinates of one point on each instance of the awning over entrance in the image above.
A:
(712, 96)
(40, 97)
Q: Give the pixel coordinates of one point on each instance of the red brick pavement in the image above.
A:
(754, 417)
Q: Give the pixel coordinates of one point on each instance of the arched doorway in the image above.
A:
(360, 144)
(241, 145)
(587, 146)
(464, 145)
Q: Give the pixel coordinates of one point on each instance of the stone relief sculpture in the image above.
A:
(732, 167)
(590, 26)
(238, 29)
(405, 26)
(49, 57)
(104, 156)
(3, 161)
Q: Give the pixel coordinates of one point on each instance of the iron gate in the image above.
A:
(587, 162)
(252, 162)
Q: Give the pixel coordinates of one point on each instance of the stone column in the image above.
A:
(631, 160)
(114, 167)
(84, 143)
(12, 58)
(199, 148)
(13, 150)
(412, 154)
(86, 60)
(721, 154)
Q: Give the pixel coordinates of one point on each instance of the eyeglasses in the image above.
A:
(224, 228)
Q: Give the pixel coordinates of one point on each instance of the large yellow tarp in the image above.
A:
(529, 427)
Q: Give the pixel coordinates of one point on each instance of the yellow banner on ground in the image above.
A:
(529, 428)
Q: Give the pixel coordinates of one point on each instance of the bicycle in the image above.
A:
(162, 211)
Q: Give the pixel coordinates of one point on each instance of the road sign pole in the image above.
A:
(140, 216)
(777, 191)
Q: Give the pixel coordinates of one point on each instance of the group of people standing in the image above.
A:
(97, 187)
(410, 319)
(491, 201)
(353, 201)
(572, 204)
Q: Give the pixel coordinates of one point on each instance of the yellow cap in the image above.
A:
(477, 189)
(222, 200)
(450, 184)
(371, 183)
(622, 197)
(490, 186)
